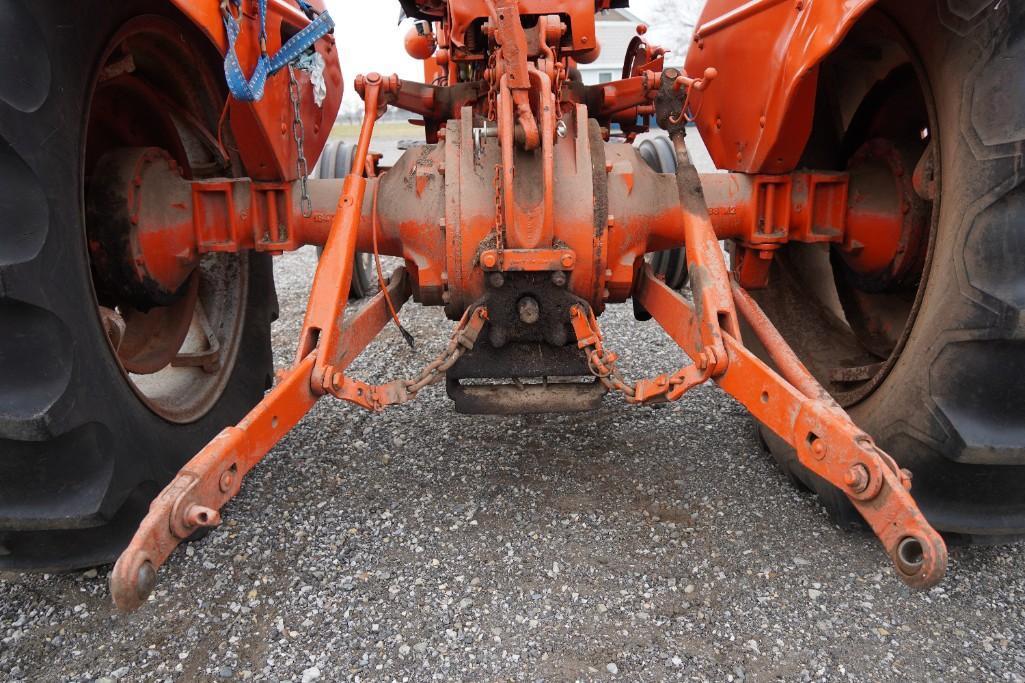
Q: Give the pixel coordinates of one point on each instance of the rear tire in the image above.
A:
(947, 401)
(81, 453)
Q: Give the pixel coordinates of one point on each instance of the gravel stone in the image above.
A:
(441, 565)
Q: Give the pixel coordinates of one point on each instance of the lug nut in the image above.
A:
(529, 310)
(856, 478)
(496, 280)
(559, 278)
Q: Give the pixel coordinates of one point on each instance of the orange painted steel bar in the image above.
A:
(783, 357)
(193, 499)
(825, 439)
(708, 277)
(214, 476)
(331, 283)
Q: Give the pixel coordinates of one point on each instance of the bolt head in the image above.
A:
(567, 260)
(529, 310)
(856, 478)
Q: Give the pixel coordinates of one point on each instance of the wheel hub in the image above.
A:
(887, 222)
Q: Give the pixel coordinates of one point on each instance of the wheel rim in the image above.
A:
(176, 353)
(862, 324)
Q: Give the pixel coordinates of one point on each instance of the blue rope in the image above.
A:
(251, 89)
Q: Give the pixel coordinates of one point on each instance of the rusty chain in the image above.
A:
(399, 391)
(602, 365)
(499, 213)
(462, 341)
(299, 135)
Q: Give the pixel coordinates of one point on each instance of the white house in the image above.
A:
(615, 28)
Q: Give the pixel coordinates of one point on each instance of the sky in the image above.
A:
(370, 39)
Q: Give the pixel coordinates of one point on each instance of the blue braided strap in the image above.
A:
(300, 42)
(251, 89)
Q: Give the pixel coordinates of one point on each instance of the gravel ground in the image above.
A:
(635, 544)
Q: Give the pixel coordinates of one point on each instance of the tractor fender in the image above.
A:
(757, 114)
(264, 129)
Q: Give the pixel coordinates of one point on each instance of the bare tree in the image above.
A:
(351, 111)
(672, 25)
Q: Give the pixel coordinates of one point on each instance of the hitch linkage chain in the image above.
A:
(399, 391)
(602, 364)
(299, 136)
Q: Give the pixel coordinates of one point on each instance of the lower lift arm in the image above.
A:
(826, 440)
(214, 476)
(329, 343)
(790, 402)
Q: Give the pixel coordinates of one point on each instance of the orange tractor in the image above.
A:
(154, 154)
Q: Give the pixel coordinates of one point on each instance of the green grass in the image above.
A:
(384, 130)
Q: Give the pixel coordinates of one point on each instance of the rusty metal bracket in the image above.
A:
(527, 259)
(709, 279)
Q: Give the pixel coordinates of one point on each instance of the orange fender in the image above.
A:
(757, 115)
(264, 129)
